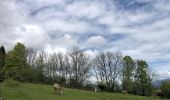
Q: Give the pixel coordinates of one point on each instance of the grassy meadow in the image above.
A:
(28, 91)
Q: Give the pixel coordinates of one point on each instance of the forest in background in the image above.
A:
(113, 71)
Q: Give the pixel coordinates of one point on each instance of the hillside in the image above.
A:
(157, 83)
(29, 91)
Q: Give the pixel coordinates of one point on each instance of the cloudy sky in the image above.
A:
(139, 28)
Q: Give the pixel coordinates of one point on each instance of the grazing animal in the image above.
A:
(124, 92)
(1, 97)
(57, 89)
(95, 90)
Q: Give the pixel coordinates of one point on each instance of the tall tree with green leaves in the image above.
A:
(16, 63)
(127, 74)
(165, 87)
(142, 76)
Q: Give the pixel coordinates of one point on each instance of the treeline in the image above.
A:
(135, 76)
(115, 72)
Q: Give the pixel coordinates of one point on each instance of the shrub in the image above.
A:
(102, 85)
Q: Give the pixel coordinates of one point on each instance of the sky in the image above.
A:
(139, 28)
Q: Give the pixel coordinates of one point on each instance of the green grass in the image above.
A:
(29, 91)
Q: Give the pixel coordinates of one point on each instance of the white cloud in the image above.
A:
(96, 41)
(163, 6)
(66, 26)
(31, 35)
(92, 79)
(164, 74)
(49, 2)
(146, 32)
(50, 13)
(9, 16)
(91, 53)
(85, 9)
(68, 40)
(50, 49)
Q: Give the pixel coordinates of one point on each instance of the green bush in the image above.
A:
(102, 85)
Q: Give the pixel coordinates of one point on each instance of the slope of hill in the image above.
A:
(157, 83)
(29, 91)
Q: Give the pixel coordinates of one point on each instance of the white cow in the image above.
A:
(95, 89)
(1, 97)
(57, 89)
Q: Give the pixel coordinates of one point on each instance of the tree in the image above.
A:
(80, 66)
(128, 74)
(52, 68)
(2, 61)
(107, 67)
(165, 87)
(142, 78)
(61, 64)
(67, 68)
(16, 64)
(57, 67)
(41, 63)
(31, 55)
(102, 85)
(2, 56)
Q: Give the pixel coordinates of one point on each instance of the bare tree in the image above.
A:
(41, 61)
(107, 67)
(61, 64)
(67, 67)
(31, 55)
(52, 65)
(80, 65)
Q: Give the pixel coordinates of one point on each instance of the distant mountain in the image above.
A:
(157, 83)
